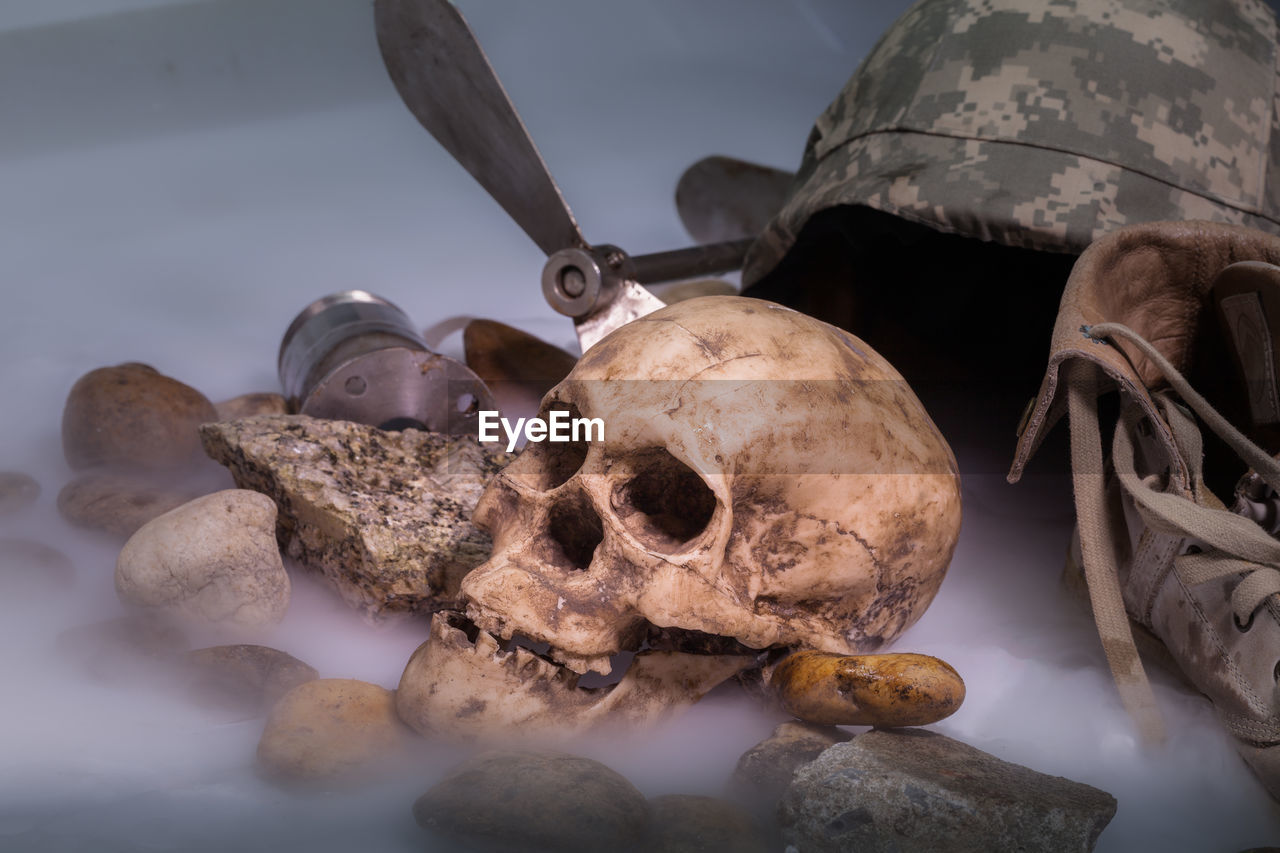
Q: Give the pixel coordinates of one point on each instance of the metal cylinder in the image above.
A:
(355, 356)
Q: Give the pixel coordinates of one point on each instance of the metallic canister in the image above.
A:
(355, 356)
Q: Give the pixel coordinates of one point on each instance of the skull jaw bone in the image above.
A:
(474, 690)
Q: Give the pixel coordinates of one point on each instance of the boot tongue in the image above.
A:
(1247, 298)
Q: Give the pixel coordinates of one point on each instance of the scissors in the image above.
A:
(445, 79)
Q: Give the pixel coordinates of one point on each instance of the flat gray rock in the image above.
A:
(764, 772)
(384, 516)
(911, 789)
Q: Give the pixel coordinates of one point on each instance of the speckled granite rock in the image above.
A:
(385, 516)
(910, 789)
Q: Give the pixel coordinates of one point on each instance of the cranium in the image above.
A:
(765, 481)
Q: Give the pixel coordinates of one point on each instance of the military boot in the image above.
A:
(1177, 522)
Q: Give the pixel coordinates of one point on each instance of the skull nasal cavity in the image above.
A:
(575, 531)
(664, 504)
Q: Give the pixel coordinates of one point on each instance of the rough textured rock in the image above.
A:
(250, 405)
(688, 824)
(247, 676)
(17, 491)
(126, 650)
(25, 563)
(213, 559)
(535, 801)
(764, 772)
(385, 516)
(911, 789)
(133, 415)
(117, 502)
(330, 730)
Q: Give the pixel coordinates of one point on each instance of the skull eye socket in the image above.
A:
(553, 463)
(664, 503)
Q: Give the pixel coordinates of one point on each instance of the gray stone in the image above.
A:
(764, 772)
(117, 502)
(127, 650)
(683, 823)
(535, 802)
(911, 789)
(17, 491)
(245, 676)
(385, 516)
(27, 564)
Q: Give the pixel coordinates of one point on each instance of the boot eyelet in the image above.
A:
(1242, 627)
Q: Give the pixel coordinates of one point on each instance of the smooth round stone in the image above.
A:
(134, 416)
(117, 503)
(685, 823)
(885, 690)
(126, 650)
(252, 405)
(246, 676)
(17, 491)
(212, 560)
(536, 801)
(330, 730)
(27, 563)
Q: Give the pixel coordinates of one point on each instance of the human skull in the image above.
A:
(764, 478)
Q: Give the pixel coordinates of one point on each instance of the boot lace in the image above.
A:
(1228, 545)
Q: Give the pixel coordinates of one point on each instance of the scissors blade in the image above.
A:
(447, 82)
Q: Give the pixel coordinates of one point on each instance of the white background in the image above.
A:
(177, 180)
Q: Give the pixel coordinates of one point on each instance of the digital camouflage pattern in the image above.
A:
(1046, 123)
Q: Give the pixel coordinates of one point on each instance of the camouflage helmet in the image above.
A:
(1046, 123)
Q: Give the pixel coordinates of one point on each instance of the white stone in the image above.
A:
(214, 559)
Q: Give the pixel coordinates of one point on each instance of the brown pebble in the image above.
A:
(134, 416)
(868, 690)
(247, 676)
(116, 502)
(252, 405)
(518, 367)
(17, 491)
(330, 730)
(29, 563)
